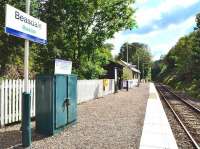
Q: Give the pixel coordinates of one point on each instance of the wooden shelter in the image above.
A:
(110, 72)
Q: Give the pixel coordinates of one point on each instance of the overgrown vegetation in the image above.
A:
(77, 30)
(180, 68)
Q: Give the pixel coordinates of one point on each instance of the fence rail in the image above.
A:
(11, 96)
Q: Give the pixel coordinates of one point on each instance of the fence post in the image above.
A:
(20, 98)
(13, 101)
(6, 101)
(17, 99)
(2, 103)
(9, 101)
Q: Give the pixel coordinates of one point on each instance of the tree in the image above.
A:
(75, 34)
(93, 68)
(137, 51)
(132, 50)
(76, 30)
(109, 46)
(12, 48)
(196, 48)
(179, 68)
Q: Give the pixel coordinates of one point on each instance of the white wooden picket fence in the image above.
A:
(11, 98)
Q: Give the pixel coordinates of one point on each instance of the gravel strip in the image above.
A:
(112, 122)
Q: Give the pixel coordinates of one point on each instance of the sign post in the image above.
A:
(26, 97)
(23, 25)
(26, 53)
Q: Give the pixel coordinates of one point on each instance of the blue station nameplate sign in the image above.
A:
(25, 26)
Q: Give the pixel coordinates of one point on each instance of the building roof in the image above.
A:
(132, 67)
(113, 64)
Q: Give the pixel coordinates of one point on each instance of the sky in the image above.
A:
(160, 24)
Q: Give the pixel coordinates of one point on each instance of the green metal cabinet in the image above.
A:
(56, 102)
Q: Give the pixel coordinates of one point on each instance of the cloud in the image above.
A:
(168, 12)
(141, 2)
(162, 23)
(160, 41)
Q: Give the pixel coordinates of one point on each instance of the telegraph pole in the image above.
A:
(143, 71)
(127, 52)
(138, 62)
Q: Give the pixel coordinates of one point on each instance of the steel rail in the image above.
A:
(179, 120)
(188, 99)
(193, 107)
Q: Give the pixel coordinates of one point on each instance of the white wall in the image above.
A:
(92, 89)
(131, 83)
(89, 89)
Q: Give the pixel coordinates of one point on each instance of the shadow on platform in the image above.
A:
(12, 138)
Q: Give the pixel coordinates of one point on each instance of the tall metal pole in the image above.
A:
(127, 52)
(26, 98)
(26, 63)
(26, 53)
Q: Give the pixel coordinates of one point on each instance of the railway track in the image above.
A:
(186, 113)
(194, 102)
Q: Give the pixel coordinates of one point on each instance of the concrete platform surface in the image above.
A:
(157, 133)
